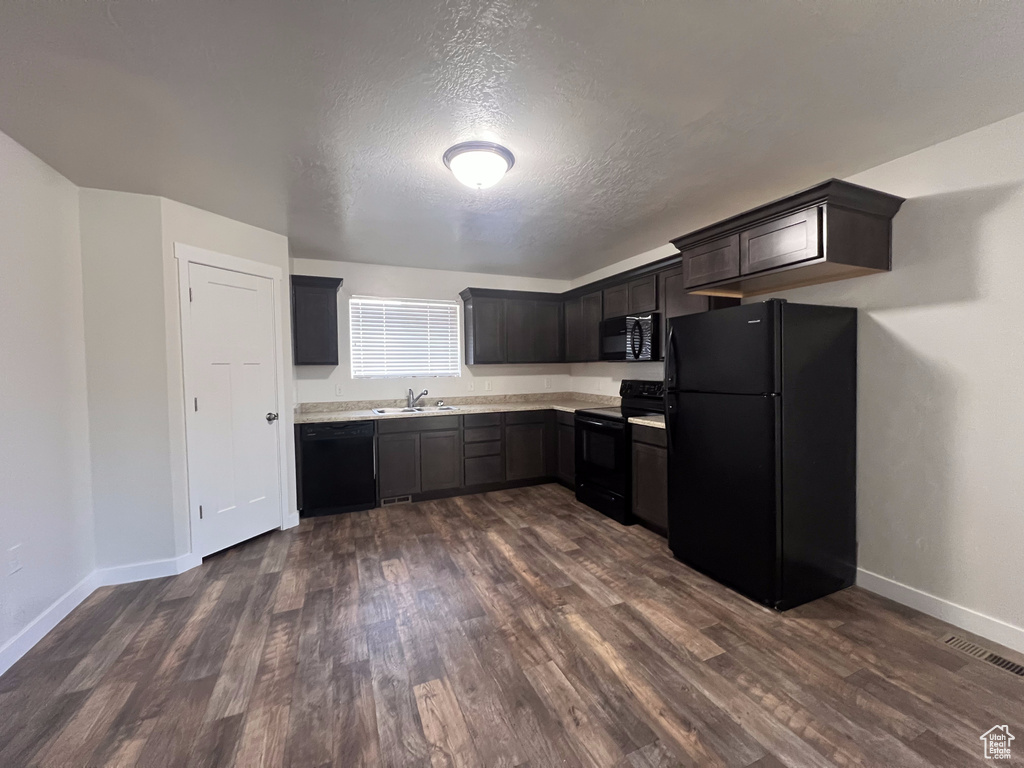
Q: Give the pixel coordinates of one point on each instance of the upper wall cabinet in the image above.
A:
(512, 327)
(583, 328)
(832, 231)
(315, 320)
(616, 301)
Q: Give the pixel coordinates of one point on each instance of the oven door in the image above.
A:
(603, 466)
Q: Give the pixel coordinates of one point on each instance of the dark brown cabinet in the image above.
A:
(315, 319)
(710, 262)
(593, 306)
(643, 294)
(566, 435)
(616, 301)
(650, 477)
(512, 327)
(583, 328)
(485, 330)
(788, 240)
(573, 314)
(440, 460)
(526, 445)
(832, 231)
(534, 331)
(398, 457)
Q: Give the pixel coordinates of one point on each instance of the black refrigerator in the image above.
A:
(761, 418)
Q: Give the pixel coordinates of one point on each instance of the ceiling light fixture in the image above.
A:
(478, 164)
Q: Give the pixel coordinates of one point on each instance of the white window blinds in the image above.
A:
(400, 338)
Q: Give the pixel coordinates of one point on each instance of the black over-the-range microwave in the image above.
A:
(631, 338)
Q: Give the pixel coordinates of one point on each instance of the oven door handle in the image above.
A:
(607, 426)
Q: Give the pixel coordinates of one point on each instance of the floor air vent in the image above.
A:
(978, 652)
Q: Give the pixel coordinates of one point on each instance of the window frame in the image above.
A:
(453, 373)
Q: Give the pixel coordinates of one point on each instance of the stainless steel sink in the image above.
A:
(424, 409)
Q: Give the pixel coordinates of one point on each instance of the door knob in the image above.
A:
(271, 418)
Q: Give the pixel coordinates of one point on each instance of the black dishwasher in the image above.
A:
(337, 468)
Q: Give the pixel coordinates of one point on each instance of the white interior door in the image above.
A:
(233, 460)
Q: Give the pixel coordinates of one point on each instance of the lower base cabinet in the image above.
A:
(398, 459)
(650, 477)
(525, 454)
(440, 460)
(566, 447)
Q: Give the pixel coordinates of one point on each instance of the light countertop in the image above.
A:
(658, 422)
(566, 406)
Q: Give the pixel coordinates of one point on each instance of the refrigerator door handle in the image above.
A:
(670, 359)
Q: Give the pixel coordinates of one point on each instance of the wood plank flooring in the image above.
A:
(515, 628)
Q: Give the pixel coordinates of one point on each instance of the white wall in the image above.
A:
(124, 331)
(941, 379)
(45, 498)
(319, 383)
(136, 394)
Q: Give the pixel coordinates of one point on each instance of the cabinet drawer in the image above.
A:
(526, 417)
(788, 240)
(417, 424)
(481, 434)
(649, 435)
(487, 469)
(481, 419)
(710, 262)
(472, 450)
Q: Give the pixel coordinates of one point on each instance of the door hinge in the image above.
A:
(195, 403)
(200, 511)
(190, 293)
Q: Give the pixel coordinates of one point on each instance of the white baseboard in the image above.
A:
(36, 629)
(153, 569)
(994, 629)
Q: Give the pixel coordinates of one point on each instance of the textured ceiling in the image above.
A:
(631, 122)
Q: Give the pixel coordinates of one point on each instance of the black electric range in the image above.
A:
(603, 440)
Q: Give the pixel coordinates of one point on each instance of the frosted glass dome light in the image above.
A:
(478, 164)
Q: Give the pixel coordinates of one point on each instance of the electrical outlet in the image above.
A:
(487, 385)
(339, 390)
(14, 560)
(547, 382)
(470, 385)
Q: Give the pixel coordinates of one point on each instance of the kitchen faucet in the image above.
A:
(411, 401)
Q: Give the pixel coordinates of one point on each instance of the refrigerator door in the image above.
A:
(723, 500)
(728, 350)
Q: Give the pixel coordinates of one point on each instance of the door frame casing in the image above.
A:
(187, 255)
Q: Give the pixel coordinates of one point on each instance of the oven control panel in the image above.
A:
(637, 388)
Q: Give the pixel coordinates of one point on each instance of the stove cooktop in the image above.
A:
(639, 398)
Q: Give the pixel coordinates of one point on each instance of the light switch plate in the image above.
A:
(487, 385)
(470, 385)
(339, 390)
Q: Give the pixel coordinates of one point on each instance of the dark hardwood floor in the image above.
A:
(515, 628)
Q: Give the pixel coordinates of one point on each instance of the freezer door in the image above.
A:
(727, 350)
(723, 497)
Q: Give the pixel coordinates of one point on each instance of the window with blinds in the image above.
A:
(401, 338)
